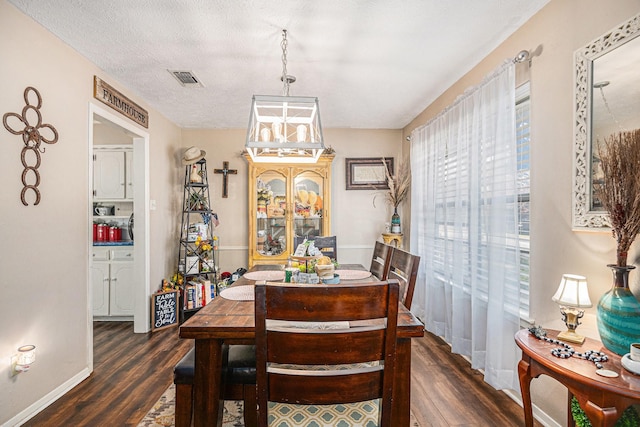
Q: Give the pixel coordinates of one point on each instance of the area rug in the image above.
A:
(358, 415)
(162, 414)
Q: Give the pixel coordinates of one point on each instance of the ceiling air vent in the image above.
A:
(186, 78)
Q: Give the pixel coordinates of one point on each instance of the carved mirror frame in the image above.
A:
(583, 215)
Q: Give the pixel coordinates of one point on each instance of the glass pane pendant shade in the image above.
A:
(284, 129)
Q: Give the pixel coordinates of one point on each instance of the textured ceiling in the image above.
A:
(371, 63)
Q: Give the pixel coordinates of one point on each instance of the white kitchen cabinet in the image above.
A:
(112, 281)
(128, 174)
(112, 173)
(100, 283)
(121, 289)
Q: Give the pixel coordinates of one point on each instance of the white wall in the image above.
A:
(44, 255)
(558, 30)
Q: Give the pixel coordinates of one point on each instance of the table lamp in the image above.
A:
(571, 296)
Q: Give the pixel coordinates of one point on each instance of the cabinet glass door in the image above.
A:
(271, 225)
(308, 213)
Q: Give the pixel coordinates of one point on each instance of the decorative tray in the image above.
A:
(305, 258)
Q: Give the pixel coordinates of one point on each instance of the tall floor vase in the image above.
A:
(619, 313)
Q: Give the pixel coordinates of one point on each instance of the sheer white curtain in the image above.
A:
(464, 224)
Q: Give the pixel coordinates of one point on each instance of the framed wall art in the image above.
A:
(367, 173)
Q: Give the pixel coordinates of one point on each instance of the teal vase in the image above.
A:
(395, 222)
(619, 313)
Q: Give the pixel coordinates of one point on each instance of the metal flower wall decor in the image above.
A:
(29, 125)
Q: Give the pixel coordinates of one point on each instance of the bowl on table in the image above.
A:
(325, 271)
(332, 280)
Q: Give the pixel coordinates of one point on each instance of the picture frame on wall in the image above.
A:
(367, 173)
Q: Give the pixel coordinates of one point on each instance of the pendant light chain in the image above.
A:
(283, 129)
(285, 78)
(601, 86)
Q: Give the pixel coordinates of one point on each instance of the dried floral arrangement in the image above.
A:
(399, 184)
(619, 190)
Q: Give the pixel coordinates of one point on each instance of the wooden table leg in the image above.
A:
(605, 417)
(207, 383)
(525, 388)
(401, 407)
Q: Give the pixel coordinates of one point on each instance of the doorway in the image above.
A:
(139, 140)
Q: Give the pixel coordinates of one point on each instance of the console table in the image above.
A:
(603, 399)
(393, 239)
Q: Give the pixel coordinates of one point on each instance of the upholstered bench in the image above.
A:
(240, 382)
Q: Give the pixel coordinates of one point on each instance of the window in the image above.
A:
(469, 208)
(523, 102)
(453, 166)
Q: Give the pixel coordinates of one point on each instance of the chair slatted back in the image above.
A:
(403, 267)
(328, 245)
(380, 260)
(356, 335)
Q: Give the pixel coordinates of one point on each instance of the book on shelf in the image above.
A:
(199, 293)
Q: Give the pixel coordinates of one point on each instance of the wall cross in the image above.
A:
(225, 171)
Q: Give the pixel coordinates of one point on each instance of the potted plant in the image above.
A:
(629, 417)
(619, 193)
(197, 201)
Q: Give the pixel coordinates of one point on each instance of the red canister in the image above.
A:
(101, 232)
(112, 234)
(95, 232)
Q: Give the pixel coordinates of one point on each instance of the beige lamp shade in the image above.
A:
(573, 291)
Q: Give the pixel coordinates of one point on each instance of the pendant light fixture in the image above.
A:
(284, 128)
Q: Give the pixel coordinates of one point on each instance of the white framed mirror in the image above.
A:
(607, 101)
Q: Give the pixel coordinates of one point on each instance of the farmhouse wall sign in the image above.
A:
(30, 126)
(105, 93)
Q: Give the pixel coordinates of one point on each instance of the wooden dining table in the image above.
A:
(226, 321)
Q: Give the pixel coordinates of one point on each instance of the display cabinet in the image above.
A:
(287, 200)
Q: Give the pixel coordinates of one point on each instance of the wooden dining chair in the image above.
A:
(325, 345)
(328, 245)
(403, 267)
(240, 382)
(380, 260)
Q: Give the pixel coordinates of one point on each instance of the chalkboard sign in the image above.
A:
(164, 309)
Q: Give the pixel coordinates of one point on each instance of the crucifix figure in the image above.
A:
(225, 171)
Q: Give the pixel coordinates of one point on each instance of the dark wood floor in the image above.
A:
(445, 391)
(131, 371)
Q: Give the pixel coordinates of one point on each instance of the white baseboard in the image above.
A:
(538, 413)
(113, 318)
(47, 400)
